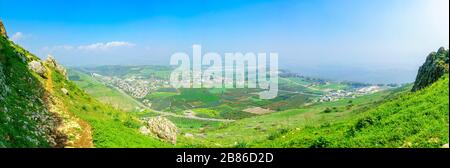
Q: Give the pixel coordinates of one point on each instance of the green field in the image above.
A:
(102, 92)
(265, 127)
(297, 120)
(410, 120)
(47, 110)
(111, 127)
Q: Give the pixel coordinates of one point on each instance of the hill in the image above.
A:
(435, 66)
(103, 93)
(41, 108)
(410, 119)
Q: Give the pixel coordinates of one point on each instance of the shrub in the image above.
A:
(320, 142)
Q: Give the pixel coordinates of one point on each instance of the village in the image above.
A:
(336, 95)
(134, 85)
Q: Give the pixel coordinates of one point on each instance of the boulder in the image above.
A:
(51, 62)
(188, 135)
(38, 67)
(163, 128)
(144, 130)
(65, 91)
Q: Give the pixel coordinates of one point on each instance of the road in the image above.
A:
(311, 94)
(169, 113)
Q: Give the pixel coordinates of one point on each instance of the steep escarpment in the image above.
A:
(435, 66)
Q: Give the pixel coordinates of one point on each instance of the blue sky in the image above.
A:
(362, 40)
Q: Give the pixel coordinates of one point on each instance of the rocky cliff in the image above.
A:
(435, 66)
(3, 30)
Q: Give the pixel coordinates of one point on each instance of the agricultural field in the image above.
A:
(206, 74)
(115, 106)
(102, 92)
(295, 92)
(252, 122)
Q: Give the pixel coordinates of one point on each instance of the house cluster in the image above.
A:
(136, 88)
(340, 94)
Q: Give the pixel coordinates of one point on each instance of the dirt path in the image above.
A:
(85, 140)
(70, 125)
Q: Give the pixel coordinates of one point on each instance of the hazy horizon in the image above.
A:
(359, 40)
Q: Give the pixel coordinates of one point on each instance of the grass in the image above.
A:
(25, 122)
(111, 127)
(186, 124)
(260, 129)
(160, 95)
(412, 120)
(206, 112)
(197, 95)
(393, 119)
(102, 92)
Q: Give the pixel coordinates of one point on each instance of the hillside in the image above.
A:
(25, 117)
(41, 108)
(419, 118)
(411, 119)
(104, 94)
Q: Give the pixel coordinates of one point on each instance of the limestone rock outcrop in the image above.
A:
(38, 67)
(435, 66)
(51, 62)
(3, 30)
(162, 128)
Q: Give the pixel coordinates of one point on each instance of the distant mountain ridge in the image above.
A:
(435, 66)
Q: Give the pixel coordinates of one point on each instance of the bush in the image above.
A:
(277, 133)
(241, 144)
(320, 142)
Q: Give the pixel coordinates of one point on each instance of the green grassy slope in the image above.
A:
(25, 118)
(111, 127)
(251, 132)
(102, 92)
(418, 119)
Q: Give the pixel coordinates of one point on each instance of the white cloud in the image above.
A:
(17, 36)
(106, 46)
(91, 47)
(58, 47)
